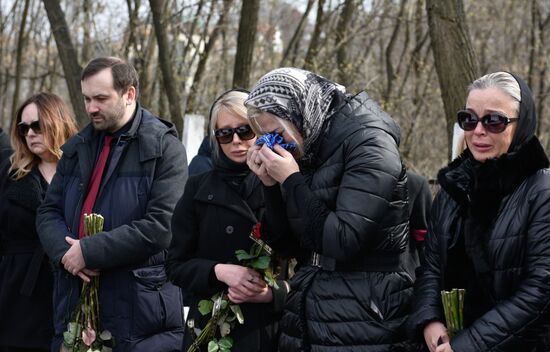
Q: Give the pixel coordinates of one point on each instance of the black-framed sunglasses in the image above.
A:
(225, 135)
(23, 128)
(493, 122)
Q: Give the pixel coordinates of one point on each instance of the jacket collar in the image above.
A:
(465, 179)
(365, 112)
(149, 129)
(213, 190)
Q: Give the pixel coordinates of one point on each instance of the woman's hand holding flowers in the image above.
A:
(236, 296)
(244, 283)
(250, 282)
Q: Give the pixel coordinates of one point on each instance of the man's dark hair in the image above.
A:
(124, 74)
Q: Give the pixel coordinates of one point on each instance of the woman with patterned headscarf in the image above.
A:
(343, 191)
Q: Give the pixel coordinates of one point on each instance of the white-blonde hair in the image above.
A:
(501, 80)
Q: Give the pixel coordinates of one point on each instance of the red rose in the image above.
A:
(256, 231)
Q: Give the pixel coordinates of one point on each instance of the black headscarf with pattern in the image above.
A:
(298, 96)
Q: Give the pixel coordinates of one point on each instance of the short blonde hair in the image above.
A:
(56, 124)
(232, 102)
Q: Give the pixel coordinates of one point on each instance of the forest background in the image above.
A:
(188, 52)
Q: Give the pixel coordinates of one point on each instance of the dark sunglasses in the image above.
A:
(23, 128)
(225, 135)
(493, 123)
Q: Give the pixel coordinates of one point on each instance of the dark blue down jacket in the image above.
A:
(143, 180)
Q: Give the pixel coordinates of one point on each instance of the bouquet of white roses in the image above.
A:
(82, 334)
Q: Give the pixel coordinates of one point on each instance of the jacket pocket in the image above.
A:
(157, 304)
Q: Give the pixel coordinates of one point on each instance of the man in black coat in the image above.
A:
(134, 182)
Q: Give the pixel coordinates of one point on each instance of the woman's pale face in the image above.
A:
(237, 148)
(35, 141)
(483, 144)
(269, 123)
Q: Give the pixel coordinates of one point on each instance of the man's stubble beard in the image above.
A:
(110, 120)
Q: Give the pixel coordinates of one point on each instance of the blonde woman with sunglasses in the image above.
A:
(490, 229)
(212, 220)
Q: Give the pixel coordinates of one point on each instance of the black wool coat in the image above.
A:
(490, 233)
(26, 281)
(210, 222)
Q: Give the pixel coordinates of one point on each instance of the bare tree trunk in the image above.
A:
(168, 78)
(50, 64)
(68, 57)
(200, 5)
(543, 69)
(390, 73)
(19, 57)
(313, 49)
(6, 57)
(86, 53)
(454, 56)
(245, 43)
(341, 34)
(197, 50)
(191, 99)
(133, 16)
(297, 33)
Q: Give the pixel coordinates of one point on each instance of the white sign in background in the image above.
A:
(193, 133)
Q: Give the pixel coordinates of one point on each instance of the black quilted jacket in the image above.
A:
(502, 222)
(349, 204)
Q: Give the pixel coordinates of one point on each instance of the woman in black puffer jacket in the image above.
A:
(490, 229)
(344, 193)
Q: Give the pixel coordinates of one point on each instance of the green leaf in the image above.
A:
(236, 309)
(270, 280)
(261, 263)
(213, 346)
(68, 339)
(225, 343)
(205, 306)
(73, 327)
(223, 304)
(243, 255)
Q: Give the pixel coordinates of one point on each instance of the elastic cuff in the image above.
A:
(293, 180)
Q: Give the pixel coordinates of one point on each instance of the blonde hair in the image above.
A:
(287, 126)
(56, 125)
(501, 80)
(231, 102)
